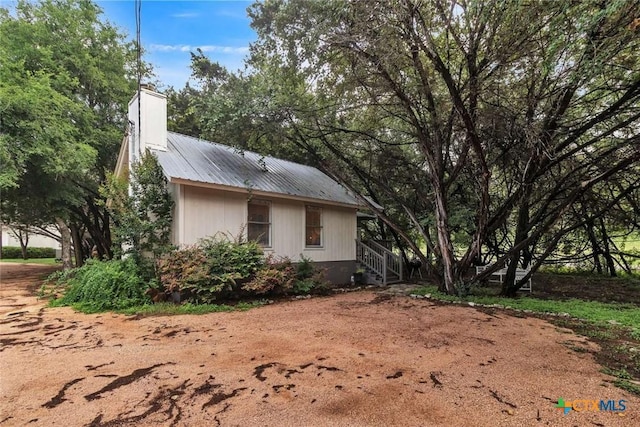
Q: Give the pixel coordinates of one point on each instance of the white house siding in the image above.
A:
(202, 212)
(339, 235)
(288, 231)
(205, 212)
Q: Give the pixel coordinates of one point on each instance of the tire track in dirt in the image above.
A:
(124, 380)
(356, 359)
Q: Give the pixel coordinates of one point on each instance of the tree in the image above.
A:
(181, 114)
(502, 116)
(65, 78)
(141, 210)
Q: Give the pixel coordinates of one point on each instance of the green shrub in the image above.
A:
(214, 269)
(15, 252)
(56, 283)
(182, 268)
(227, 256)
(11, 252)
(309, 278)
(103, 285)
(220, 268)
(277, 277)
(305, 268)
(304, 286)
(280, 276)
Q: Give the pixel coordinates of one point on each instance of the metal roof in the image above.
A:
(202, 161)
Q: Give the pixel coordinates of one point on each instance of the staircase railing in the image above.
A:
(393, 262)
(379, 259)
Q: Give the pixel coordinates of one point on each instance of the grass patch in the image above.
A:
(626, 385)
(44, 261)
(593, 311)
(168, 309)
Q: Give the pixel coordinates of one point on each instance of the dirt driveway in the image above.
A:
(355, 359)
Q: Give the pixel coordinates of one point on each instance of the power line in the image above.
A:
(138, 13)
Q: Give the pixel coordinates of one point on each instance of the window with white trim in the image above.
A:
(259, 222)
(313, 227)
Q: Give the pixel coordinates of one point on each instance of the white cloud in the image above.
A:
(185, 15)
(204, 48)
(232, 14)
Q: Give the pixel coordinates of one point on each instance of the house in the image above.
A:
(291, 209)
(9, 236)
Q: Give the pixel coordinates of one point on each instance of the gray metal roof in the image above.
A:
(202, 161)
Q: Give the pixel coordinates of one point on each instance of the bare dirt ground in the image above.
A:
(354, 359)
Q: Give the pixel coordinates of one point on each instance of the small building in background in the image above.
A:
(8, 237)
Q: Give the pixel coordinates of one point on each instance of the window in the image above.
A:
(313, 227)
(259, 222)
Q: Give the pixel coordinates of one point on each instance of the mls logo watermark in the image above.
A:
(592, 405)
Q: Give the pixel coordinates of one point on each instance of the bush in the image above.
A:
(183, 267)
(304, 286)
(214, 269)
(277, 277)
(227, 256)
(15, 252)
(219, 268)
(305, 268)
(309, 278)
(280, 276)
(102, 285)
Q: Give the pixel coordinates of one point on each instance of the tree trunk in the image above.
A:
(509, 286)
(24, 242)
(611, 265)
(65, 234)
(448, 284)
(594, 245)
(77, 244)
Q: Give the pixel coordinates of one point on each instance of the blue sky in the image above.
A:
(171, 29)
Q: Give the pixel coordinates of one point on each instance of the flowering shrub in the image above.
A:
(212, 270)
(276, 277)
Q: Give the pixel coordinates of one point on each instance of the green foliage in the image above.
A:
(628, 386)
(100, 286)
(65, 79)
(43, 261)
(232, 256)
(594, 311)
(277, 277)
(305, 268)
(309, 278)
(153, 206)
(305, 286)
(623, 379)
(164, 309)
(16, 252)
(214, 269)
(56, 284)
(183, 268)
(181, 115)
(143, 219)
(460, 123)
(219, 268)
(280, 276)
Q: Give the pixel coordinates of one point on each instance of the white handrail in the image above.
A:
(379, 259)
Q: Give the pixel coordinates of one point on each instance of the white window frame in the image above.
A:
(268, 223)
(321, 227)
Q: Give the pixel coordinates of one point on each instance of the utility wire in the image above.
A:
(138, 13)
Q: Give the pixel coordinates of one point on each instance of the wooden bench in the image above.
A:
(499, 275)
